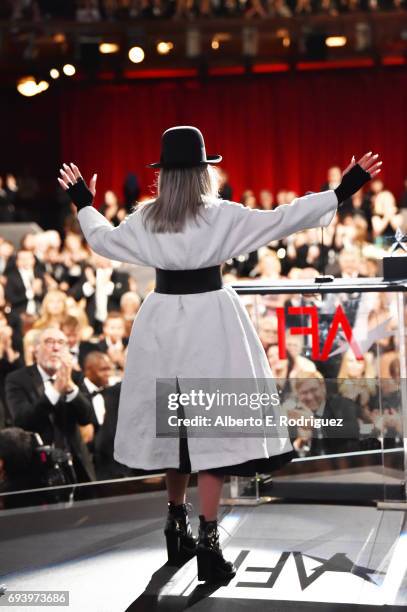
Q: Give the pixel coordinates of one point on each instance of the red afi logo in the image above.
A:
(339, 319)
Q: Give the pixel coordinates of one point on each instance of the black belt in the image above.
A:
(188, 281)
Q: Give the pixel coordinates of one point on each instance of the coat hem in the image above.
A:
(131, 464)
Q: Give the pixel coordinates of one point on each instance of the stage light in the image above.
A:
(284, 35)
(69, 70)
(42, 86)
(54, 73)
(136, 55)
(335, 41)
(27, 87)
(108, 48)
(220, 37)
(164, 47)
(59, 38)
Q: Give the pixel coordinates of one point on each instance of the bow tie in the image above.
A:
(96, 392)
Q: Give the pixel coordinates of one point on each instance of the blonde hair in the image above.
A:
(352, 387)
(29, 343)
(46, 319)
(302, 375)
(369, 369)
(382, 200)
(181, 195)
(266, 256)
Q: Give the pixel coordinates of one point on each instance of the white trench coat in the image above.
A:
(203, 335)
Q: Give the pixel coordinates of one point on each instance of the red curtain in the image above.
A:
(275, 131)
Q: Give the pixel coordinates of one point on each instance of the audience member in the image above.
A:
(59, 286)
(310, 393)
(102, 286)
(46, 397)
(25, 289)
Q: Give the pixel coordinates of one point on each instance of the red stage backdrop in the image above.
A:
(277, 131)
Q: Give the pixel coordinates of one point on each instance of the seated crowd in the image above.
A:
(66, 315)
(120, 10)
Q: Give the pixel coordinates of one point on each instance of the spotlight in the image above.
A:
(59, 38)
(28, 87)
(54, 73)
(335, 41)
(136, 55)
(220, 37)
(42, 86)
(69, 70)
(108, 48)
(164, 47)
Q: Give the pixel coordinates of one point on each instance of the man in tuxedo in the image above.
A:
(24, 287)
(102, 286)
(48, 398)
(313, 401)
(78, 348)
(55, 270)
(105, 402)
(113, 342)
(97, 369)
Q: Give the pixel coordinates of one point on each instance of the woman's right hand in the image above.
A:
(369, 162)
(72, 182)
(357, 174)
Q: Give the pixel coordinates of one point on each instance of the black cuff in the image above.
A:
(352, 181)
(80, 195)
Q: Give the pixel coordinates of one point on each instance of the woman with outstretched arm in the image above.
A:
(194, 327)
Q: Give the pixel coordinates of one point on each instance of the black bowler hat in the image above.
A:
(183, 146)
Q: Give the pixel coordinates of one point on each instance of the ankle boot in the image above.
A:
(181, 544)
(212, 567)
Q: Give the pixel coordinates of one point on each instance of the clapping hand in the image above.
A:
(63, 380)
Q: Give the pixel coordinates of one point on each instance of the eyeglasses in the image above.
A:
(52, 341)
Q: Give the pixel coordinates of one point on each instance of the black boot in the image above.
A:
(212, 567)
(181, 544)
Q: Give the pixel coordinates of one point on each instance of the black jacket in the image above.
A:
(31, 410)
(87, 346)
(15, 291)
(336, 439)
(121, 286)
(106, 466)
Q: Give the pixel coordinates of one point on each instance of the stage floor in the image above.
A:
(110, 555)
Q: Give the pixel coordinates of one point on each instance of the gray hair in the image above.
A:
(181, 195)
(41, 332)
